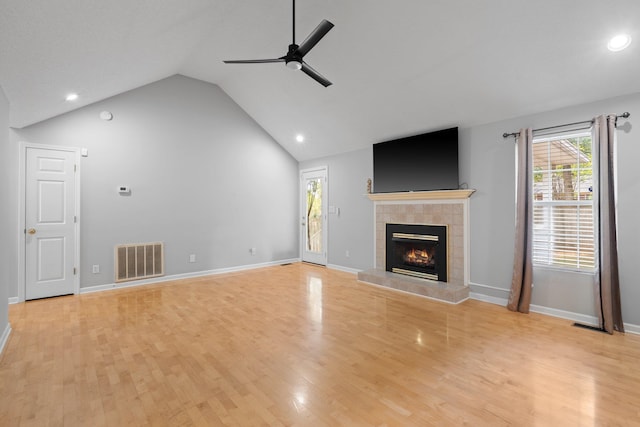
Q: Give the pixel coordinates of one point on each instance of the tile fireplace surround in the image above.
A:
(450, 208)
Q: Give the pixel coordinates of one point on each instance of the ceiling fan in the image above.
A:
(294, 57)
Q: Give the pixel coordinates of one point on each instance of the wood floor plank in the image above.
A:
(301, 345)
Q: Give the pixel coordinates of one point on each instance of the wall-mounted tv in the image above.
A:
(417, 163)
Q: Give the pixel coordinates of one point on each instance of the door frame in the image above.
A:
(22, 209)
(325, 209)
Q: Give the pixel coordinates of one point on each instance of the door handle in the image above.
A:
(31, 231)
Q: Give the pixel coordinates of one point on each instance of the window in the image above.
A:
(563, 206)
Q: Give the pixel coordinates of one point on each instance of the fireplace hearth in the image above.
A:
(417, 250)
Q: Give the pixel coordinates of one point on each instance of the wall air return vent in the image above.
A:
(139, 261)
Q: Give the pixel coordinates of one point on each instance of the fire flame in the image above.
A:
(415, 254)
(417, 257)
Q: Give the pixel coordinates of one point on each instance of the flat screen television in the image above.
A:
(417, 163)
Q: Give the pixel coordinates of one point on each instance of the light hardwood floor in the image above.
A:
(301, 345)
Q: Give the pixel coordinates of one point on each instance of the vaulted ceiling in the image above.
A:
(397, 67)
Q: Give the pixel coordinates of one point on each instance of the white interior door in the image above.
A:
(50, 230)
(313, 189)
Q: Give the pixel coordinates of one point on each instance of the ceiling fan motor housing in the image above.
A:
(293, 59)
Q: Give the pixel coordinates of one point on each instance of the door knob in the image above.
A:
(32, 231)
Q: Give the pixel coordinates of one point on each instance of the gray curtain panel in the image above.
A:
(608, 282)
(520, 296)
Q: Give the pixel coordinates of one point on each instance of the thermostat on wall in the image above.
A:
(123, 189)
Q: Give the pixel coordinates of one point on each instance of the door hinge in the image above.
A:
(75, 219)
(74, 271)
(75, 168)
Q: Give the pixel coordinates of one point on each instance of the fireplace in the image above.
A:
(417, 250)
(450, 210)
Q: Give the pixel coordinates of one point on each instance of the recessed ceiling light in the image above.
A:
(300, 138)
(71, 97)
(619, 42)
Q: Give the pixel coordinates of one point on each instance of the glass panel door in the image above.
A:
(314, 215)
(314, 218)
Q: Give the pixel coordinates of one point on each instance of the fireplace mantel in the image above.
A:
(422, 195)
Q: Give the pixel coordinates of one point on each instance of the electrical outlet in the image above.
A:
(347, 254)
(192, 258)
(95, 269)
(252, 251)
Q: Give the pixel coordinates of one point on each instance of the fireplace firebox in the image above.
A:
(417, 250)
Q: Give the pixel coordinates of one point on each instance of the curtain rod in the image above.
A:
(624, 115)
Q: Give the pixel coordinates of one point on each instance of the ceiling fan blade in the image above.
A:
(315, 75)
(316, 35)
(254, 61)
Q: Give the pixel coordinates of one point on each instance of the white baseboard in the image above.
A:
(345, 269)
(576, 317)
(494, 288)
(585, 319)
(13, 300)
(5, 337)
(100, 288)
(487, 298)
(631, 328)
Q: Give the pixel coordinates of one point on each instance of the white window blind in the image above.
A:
(563, 207)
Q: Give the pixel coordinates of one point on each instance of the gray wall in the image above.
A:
(205, 179)
(6, 247)
(352, 229)
(487, 164)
